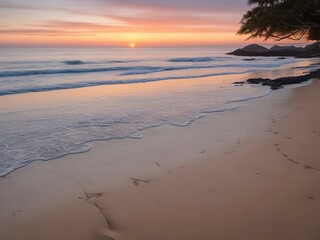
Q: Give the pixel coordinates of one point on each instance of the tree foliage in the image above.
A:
(280, 19)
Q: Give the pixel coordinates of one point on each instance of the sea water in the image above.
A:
(73, 96)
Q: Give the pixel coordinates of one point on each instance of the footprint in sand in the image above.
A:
(273, 132)
(317, 133)
(94, 195)
(137, 181)
(226, 153)
(310, 167)
(14, 213)
(273, 121)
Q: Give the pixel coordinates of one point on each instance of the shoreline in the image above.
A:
(92, 189)
(27, 99)
(200, 113)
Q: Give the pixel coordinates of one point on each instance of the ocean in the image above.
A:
(56, 101)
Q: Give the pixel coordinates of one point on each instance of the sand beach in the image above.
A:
(159, 120)
(249, 173)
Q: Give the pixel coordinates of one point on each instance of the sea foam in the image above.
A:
(45, 132)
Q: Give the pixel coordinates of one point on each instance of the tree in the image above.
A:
(280, 19)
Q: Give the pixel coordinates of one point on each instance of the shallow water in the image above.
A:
(133, 89)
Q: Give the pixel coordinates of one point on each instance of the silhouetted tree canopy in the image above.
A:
(280, 19)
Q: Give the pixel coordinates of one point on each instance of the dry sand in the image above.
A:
(253, 173)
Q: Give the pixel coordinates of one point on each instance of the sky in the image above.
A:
(120, 22)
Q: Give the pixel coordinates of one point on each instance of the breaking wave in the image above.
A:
(197, 59)
(132, 70)
(107, 82)
(73, 62)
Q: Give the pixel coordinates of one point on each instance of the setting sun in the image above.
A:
(132, 45)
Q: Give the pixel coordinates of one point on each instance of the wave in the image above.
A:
(196, 59)
(163, 69)
(69, 71)
(134, 70)
(73, 62)
(108, 82)
(82, 148)
(85, 146)
(123, 61)
(154, 70)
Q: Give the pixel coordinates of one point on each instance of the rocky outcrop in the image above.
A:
(280, 82)
(255, 50)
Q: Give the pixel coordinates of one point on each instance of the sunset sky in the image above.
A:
(120, 22)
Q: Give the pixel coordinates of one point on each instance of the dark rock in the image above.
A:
(257, 80)
(241, 52)
(277, 48)
(276, 87)
(281, 58)
(255, 48)
(313, 47)
(250, 50)
(312, 50)
(286, 51)
(273, 84)
(239, 82)
(280, 82)
(249, 59)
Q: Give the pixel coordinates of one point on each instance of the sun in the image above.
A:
(132, 45)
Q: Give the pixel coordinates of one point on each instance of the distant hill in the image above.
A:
(255, 50)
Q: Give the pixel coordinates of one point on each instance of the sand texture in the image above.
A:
(252, 173)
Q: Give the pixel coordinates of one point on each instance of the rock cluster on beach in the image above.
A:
(253, 50)
(280, 82)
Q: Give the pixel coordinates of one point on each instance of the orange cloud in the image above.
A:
(119, 22)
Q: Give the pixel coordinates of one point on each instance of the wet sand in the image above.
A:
(252, 173)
